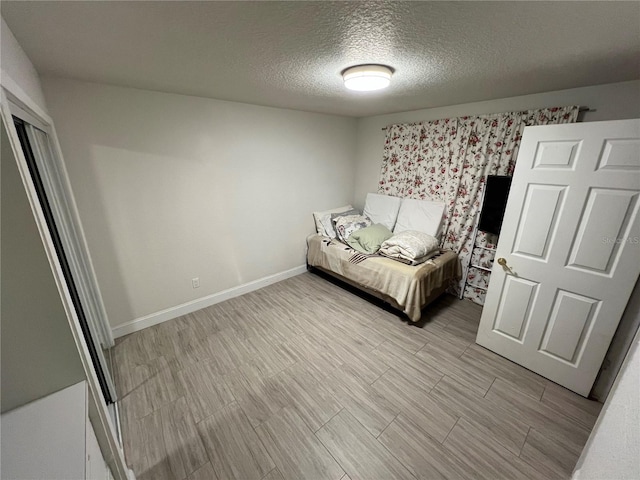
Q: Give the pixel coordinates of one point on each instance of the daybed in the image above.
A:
(405, 287)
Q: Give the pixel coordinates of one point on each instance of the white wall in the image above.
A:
(172, 187)
(613, 448)
(17, 69)
(612, 101)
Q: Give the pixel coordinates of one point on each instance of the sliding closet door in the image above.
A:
(56, 188)
(54, 202)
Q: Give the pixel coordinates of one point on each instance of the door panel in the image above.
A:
(559, 154)
(606, 217)
(568, 325)
(571, 242)
(537, 221)
(512, 315)
(620, 154)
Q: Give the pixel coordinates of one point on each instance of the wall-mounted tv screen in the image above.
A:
(496, 192)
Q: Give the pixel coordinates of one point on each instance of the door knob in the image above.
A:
(503, 263)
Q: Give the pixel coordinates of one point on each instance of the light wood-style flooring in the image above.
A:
(305, 380)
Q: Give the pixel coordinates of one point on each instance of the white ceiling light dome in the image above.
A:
(365, 78)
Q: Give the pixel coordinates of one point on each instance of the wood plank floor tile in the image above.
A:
(179, 345)
(157, 466)
(284, 322)
(312, 401)
(274, 475)
(540, 416)
(339, 340)
(235, 347)
(479, 358)
(360, 325)
(387, 398)
(227, 350)
(166, 340)
(571, 405)
(272, 359)
(233, 446)
(440, 358)
(447, 309)
(133, 441)
(443, 353)
(363, 401)
(295, 450)
(313, 364)
(162, 387)
(415, 403)
(206, 472)
(203, 324)
(258, 396)
(503, 425)
(486, 458)
(359, 453)
(133, 361)
(462, 329)
(421, 373)
(425, 458)
(550, 457)
(220, 359)
(438, 313)
(343, 328)
(215, 318)
(136, 403)
(404, 335)
(364, 365)
(182, 442)
(448, 342)
(332, 354)
(260, 325)
(139, 348)
(206, 391)
(190, 349)
(296, 320)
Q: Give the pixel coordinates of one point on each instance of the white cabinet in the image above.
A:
(97, 468)
(52, 438)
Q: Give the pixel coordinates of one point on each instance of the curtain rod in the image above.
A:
(580, 110)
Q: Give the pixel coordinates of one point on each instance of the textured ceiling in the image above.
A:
(290, 54)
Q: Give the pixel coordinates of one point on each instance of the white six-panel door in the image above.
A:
(570, 241)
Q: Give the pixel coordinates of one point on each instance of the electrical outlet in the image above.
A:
(195, 282)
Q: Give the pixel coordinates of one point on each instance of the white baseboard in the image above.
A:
(179, 310)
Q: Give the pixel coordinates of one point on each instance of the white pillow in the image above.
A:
(318, 216)
(382, 209)
(421, 215)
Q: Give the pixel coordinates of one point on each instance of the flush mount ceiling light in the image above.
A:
(365, 78)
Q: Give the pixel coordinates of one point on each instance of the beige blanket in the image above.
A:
(409, 286)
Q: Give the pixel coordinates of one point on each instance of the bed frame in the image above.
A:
(409, 288)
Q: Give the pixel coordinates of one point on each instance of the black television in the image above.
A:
(496, 192)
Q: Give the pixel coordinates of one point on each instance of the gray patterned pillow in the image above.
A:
(347, 224)
(335, 216)
(328, 221)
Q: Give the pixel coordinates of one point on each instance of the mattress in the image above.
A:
(409, 287)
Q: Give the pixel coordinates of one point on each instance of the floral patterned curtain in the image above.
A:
(448, 160)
